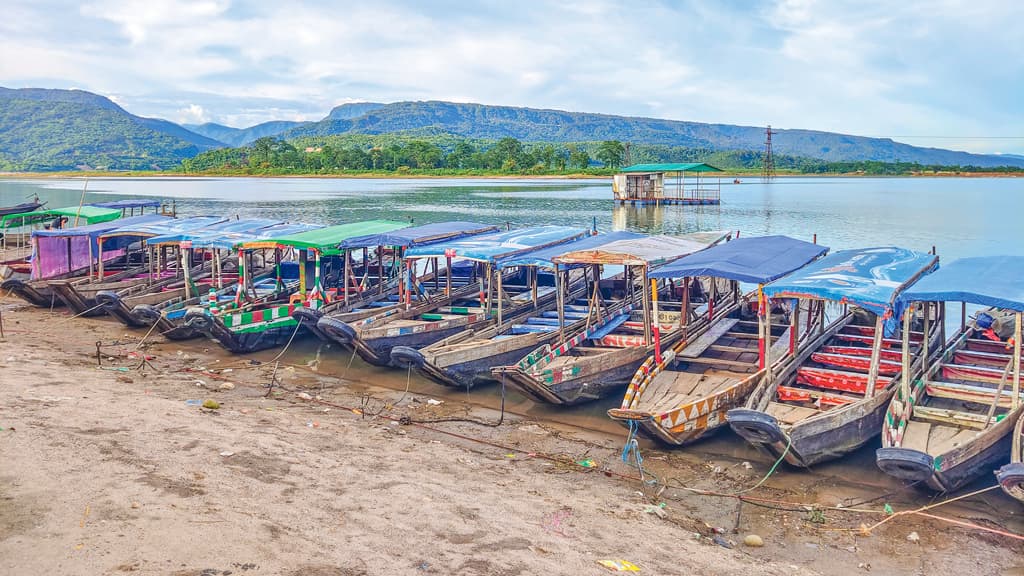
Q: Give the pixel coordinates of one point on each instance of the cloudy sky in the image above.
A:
(939, 73)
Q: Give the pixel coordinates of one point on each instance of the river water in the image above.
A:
(958, 216)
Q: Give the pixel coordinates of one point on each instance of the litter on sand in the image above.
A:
(619, 565)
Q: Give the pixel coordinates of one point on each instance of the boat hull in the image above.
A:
(825, 437)
(377, 350)
(38, 293)
(464, 375)
(242, 342)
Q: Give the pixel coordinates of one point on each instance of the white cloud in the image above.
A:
(853, 66)
(193, 114)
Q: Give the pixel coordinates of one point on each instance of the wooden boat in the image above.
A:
(147, 268)
(831, 398)
(465, 359)
(21, 208)
(389, 248)
(17, 228)
(213, 244)
(260, 316)
(441, 315)
(955, 424)
(685, 394)
(67, 254)
(1011, 476)
(601, 359)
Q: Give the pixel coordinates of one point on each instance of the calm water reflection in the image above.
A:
(961, 216)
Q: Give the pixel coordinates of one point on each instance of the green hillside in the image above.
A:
(44, 130)
(46, 135)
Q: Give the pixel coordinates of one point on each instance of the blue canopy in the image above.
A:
(127, 204)
(418, 235)
(96, 230)
(986, 280)
(542, 258)
(226, 226)
(125, 235)
(753, 260)
(231, 240)
(491, 247)
(871, 278)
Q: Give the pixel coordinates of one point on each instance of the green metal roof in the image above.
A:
(88, 215)
(326, 240)
(691, 167)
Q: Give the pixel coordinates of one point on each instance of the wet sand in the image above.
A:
(113, 469)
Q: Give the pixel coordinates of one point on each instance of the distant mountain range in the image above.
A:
(242, 136)
(43, 129)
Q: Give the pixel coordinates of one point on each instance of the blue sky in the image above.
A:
(936, 73)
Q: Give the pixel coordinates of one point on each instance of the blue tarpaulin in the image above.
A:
(542, 258)
(986, 280)
(243, 225)
(419, 235)
(752, 260)
(96, 230)
(124, 235)
(127, 204)
(491, 247)
(231, 240)
(871, 278)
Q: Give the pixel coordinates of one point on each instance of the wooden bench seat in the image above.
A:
(701, 344)
(971, 393)
(950, 417)
(789, 414)
(838, 380)
(791, 394)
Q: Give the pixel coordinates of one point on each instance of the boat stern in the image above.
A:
(1011, 478)
(763, 431)
(337, 330)
(309, 318)
(906, 464)
(407, 357)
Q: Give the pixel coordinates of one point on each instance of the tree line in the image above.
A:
(440, 154)
(506, 155)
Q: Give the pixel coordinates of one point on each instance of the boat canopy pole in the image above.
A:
(927, 332)
(794, 326)
(560, 300)
(761, 348)
(1016, 362)
(656, 326)
(303, 258)
(535, 274)
(500, 299)
(347, 274)
(448, 274)
(186, 270)
(99, 269)
(876, 353)
(766, 313)
(905, 357)
(647, 309)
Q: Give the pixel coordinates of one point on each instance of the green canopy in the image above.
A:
(691, 167)
(326, 240)
(85, 215)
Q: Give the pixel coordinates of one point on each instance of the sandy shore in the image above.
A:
(113, 469)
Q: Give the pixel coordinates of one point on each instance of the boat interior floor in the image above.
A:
(955, 404)
(837, 374)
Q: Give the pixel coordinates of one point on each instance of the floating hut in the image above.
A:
(660, 184)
